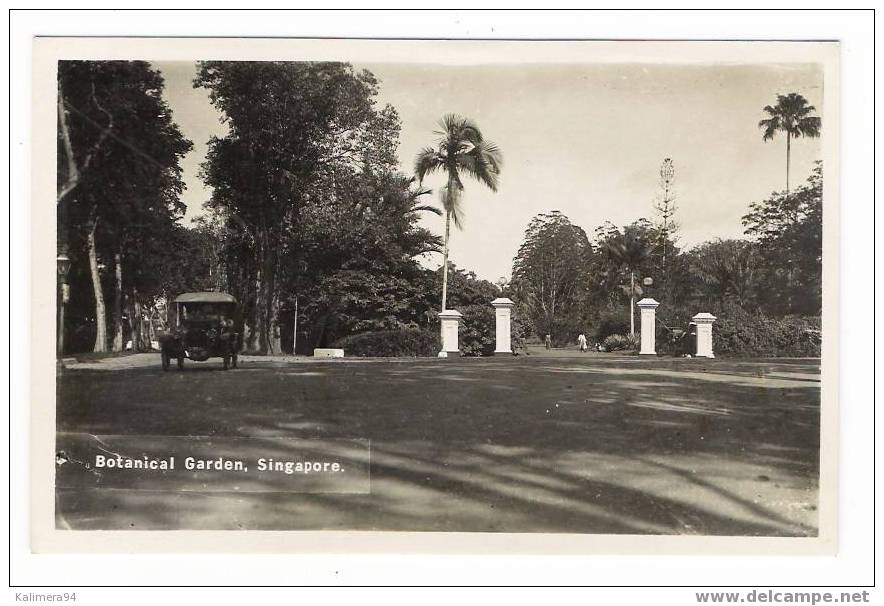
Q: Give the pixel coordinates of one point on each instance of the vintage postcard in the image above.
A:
(447, 296)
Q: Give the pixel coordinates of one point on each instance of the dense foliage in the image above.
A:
(119, 186)
(766, 289)
(550, 275)
(406, 343)
(305, 186)
(738, 333)
(311, 225)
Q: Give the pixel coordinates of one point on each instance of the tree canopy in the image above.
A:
(550, 274)
(306, 185)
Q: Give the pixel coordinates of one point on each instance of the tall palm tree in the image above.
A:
(630, 251)
(460, 150)
(790, 115)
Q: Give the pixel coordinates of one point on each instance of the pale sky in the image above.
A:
(587, 140)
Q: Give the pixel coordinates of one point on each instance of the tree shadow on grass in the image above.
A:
(494, 445)
(412, 491)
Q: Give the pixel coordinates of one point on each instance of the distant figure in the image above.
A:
(581, 342)
(547, 340)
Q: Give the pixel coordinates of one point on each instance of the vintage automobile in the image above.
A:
(204, 329)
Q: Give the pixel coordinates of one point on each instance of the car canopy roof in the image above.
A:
(205, 297)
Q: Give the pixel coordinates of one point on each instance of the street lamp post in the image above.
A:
(63, 265)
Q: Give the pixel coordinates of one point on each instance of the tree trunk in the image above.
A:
(256, 335)
(788, 271)
(632, 304)
(100, 316)
(445, 260)
(275, 337)
(265, 305)
(171, 318)
(150, 330)
(266, 295)
(118, 302)
(136, 323)
(250, 324)
(788, 154)
(73, 175)
(295, 329)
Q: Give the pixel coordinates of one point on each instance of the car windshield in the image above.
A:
(205, 312)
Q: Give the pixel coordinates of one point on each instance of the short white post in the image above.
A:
(704, 334)
(648, 326)
(450, 319)
(502, 315)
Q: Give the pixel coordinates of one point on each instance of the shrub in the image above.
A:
(611, 322)
(621, 343)
(407, 343)
(520, 330)
(477, 330)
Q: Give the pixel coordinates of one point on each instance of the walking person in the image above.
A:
(547, 340)
(581, 341)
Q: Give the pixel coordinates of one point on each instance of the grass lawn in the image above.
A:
(556, 442)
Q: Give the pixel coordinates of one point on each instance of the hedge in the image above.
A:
(407, 343)
(749, 335)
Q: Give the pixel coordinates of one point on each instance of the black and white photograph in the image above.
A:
(557, 289)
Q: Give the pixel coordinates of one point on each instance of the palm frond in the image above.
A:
(810, 126)
(790, 115)
(451, 196)
(455, 129)
(428, 161)
(425, 208)
(483, 163)
(770, 127)
(461, 147)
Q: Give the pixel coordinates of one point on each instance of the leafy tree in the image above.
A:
(550, 274)
(119, 174)
(359, 246)
(792, 116)
(460, 149)
(297, 132)
(789, 232)
(726, 269)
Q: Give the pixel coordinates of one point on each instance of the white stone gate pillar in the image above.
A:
(502, 316)
(648, 326)
(450, 319)
(704, 334)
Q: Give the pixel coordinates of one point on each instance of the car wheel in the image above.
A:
(180, 362)
(164, 356)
